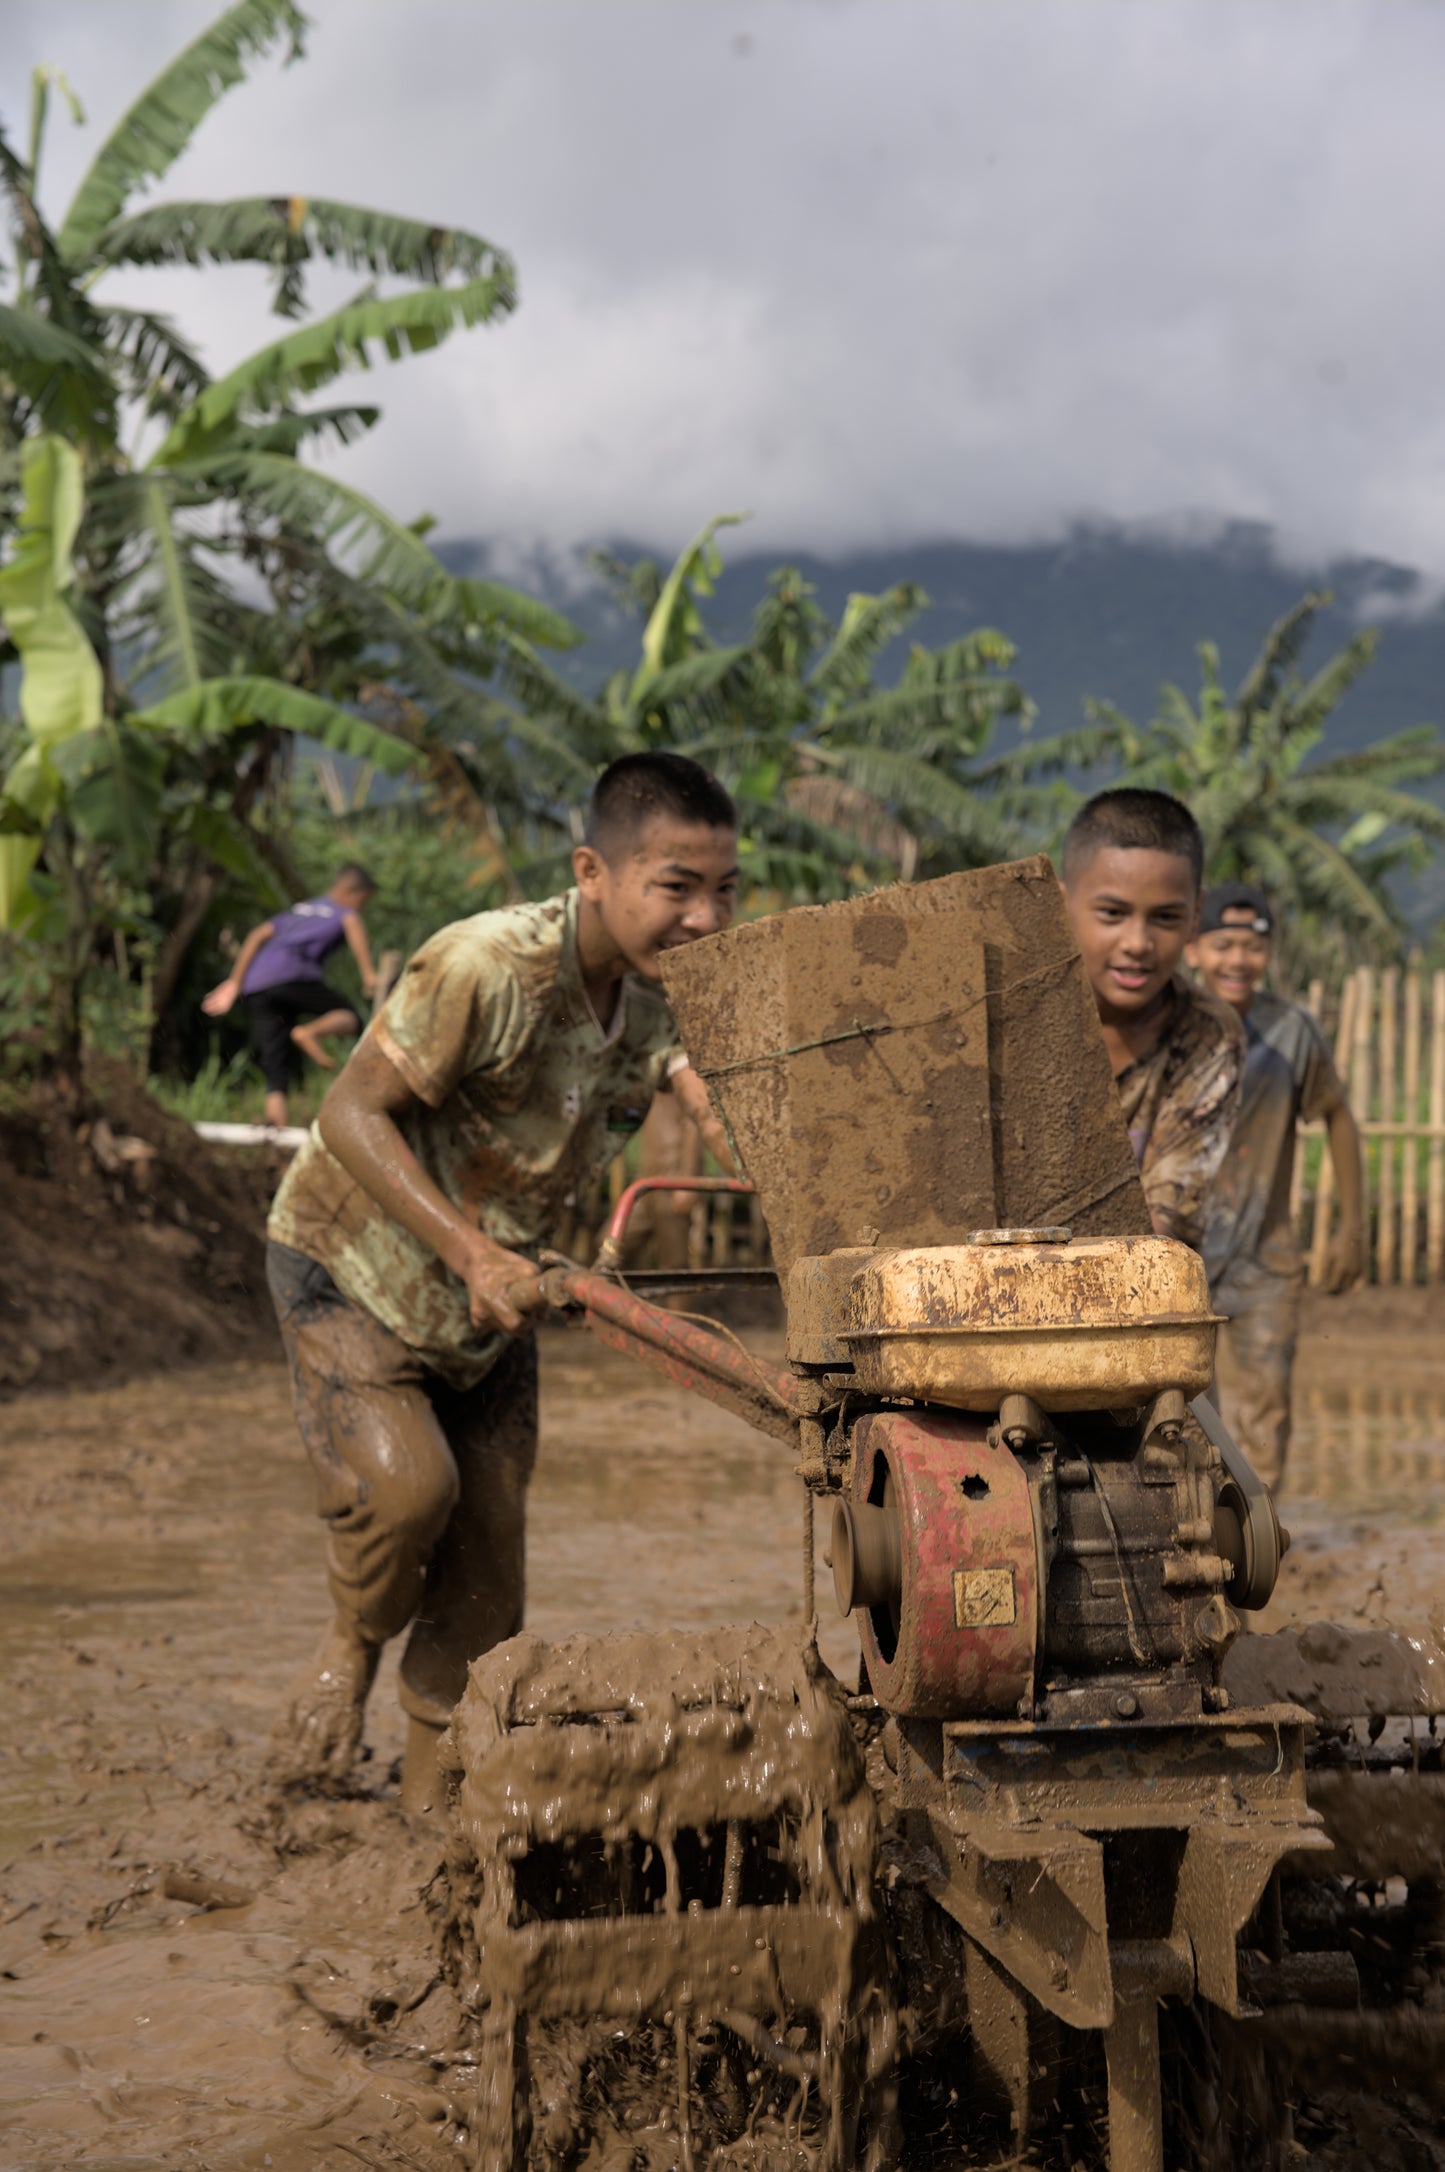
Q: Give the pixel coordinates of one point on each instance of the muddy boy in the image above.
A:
(517, 1053)
(1133, 873)
(1256, 1273)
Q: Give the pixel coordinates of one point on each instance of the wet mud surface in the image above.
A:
(161, 1583)
(190, 1977)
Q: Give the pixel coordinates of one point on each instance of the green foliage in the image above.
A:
(216, 707)
(151, 135)
(315, 354)
(60, 685)
(217, 597)
(288, 232)
(224, 1090)
(840, 783)
(1321, 835)
(228, 1089)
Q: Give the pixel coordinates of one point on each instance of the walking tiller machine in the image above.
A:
(693, 1885)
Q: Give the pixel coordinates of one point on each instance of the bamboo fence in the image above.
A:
(1387, 1031)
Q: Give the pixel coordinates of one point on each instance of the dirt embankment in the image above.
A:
(127, 1246)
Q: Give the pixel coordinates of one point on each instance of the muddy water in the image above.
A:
(160, 1582)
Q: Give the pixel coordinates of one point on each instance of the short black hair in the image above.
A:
(1133, 820)
(637, 786)
(354, 872)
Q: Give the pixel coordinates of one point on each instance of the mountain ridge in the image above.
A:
(1108, 612)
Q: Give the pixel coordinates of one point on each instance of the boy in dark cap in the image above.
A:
(1254, 1263)
(1133, 869)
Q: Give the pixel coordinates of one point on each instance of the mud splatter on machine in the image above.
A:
(687, 1922)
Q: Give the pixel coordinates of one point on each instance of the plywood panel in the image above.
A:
(921, 1061)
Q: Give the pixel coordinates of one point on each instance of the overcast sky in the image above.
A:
(880, 271)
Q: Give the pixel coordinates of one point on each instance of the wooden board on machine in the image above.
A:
(922, 1061)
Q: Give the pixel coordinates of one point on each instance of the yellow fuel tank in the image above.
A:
(1097, 1324)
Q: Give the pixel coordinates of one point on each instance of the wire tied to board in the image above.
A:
(870, 1031)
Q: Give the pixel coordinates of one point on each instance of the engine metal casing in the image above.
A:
(966, 1635)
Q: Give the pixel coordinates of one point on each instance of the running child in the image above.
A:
(290, 1004)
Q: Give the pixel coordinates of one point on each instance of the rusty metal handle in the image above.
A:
(622, 1212)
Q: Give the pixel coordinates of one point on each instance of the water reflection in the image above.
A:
(1370, 1447)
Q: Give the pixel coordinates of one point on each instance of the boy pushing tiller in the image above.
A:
(1255, 1269)
(516, 1055)
(1133, 871)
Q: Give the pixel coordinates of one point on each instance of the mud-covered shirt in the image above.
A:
(1179, 1103)
(1289, 1079)
(524, 1098)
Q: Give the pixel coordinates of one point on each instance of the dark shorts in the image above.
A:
(274, 1011)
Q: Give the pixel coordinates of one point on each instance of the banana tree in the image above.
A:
(90, 793)
(211, 552)
(841, 781)
(1323, 834)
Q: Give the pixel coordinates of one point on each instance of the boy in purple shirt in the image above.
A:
(279, 972)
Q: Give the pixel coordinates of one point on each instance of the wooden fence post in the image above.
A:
(1385, 1251)
(1362, 1082)
(1325, 1189)
(1435, 1180)
(1410, 1145)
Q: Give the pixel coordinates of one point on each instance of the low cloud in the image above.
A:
(880, 271)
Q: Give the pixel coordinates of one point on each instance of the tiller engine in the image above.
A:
(996, 1381)
(1046, 1552)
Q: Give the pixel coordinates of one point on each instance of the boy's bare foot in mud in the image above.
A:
(318, 1735)
(309, 1043)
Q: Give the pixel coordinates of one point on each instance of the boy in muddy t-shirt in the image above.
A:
(1133, 869)
(1255, 1269)
(511, 1062)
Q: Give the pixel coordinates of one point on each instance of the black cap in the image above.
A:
(1236, 898)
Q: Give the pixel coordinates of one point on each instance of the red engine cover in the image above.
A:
(966, 1634)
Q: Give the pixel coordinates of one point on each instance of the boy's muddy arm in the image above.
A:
(358, 1124)
(223, 996)
(693, 1101)
(1345, 1261)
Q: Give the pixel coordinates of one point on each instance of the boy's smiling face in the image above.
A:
(1132, 911)
(1233, 959)
(675, 881)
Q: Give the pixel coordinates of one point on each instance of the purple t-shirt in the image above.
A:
(303, 939)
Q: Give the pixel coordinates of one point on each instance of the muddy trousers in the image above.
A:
(1263, 1313)
(422, 1487)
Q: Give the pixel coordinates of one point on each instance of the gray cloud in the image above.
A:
(882, 271)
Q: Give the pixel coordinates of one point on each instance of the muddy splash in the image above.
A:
(660, 1898)
(162, 1582)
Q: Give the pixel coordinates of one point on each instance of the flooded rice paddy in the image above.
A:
(187, 1979)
